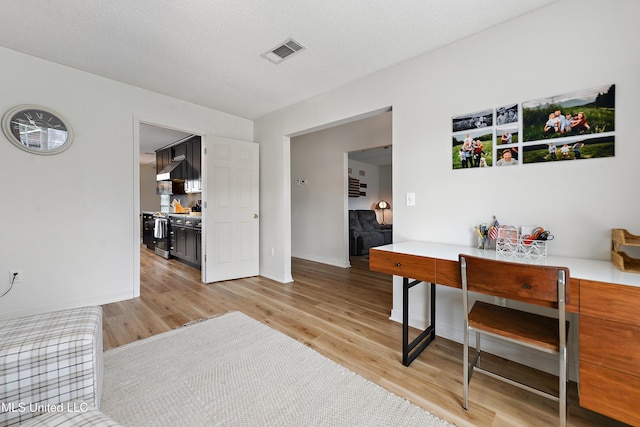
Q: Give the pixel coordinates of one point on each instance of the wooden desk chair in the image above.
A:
(536, 284)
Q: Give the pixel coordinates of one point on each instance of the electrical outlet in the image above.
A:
(502, 302)
(17, 274)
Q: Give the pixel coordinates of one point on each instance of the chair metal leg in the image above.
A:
(465, 366)
(562, 398)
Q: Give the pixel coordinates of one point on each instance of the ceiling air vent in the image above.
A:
(283, 51)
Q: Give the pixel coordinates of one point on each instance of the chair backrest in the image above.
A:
(532, 283)
(368, 220)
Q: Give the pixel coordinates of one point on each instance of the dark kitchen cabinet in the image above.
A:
(185, 239)
(190, 168)
(179, 246)
(163, 158)
(194, 165)
(180, 150)
(148, 223)
(198, 253)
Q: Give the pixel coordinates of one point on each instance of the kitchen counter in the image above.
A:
(192, 214)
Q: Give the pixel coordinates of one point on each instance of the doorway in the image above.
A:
(319, 185)
(229, 232)
(152, 137)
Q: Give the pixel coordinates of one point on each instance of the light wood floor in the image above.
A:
(344, 315)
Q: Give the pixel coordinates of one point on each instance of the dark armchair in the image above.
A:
(366, 232)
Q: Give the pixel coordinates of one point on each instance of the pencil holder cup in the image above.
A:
(483, 242)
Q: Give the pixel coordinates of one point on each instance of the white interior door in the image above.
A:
(231, 225)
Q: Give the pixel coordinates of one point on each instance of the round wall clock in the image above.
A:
(37, 129)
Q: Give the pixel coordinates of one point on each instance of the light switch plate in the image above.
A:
(410, 199)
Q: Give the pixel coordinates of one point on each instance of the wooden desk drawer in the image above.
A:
(448, 273)
(610, 344)
(610, 392)
(411, 266)
(619, 303)
(574, 295)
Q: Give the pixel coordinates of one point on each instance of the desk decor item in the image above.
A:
(37, 129)
(485, 233)
(528, 246)
(482, 234)
(619, 238)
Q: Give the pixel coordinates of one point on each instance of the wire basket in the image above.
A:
(509, 242)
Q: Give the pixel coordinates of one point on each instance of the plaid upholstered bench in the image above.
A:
(49, 360)
(86, 417)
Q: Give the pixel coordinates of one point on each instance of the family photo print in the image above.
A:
(573, 126)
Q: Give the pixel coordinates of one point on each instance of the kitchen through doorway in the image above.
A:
(157, 199)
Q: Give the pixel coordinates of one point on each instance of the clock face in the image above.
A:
(37, 129)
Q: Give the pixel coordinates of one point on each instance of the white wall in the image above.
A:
(579, 201)
(71, 221)
(149, 200)
(371, 178)
(319, 218)
(385, 191)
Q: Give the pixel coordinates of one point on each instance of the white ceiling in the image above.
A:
(153, 138)
(373, 156)
(208, 51)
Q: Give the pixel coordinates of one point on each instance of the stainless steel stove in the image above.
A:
(161, 234)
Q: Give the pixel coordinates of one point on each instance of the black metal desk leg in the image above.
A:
(405, 321)
(433, 310)
(424, 339)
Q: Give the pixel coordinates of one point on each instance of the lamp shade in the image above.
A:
(383, 205)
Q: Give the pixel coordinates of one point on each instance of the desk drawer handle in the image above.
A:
(398, 264)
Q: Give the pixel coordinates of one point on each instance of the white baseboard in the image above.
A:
(276, 276)
(337, 262)
(97, 300)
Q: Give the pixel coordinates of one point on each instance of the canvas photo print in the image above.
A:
(507, 115)
(472, 149)
(572, 126)
(477, 120)
(579, 113)
(576, 125)
(506, 135)
(583, 148)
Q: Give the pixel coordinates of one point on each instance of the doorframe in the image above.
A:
(287, 151)
(137, 121)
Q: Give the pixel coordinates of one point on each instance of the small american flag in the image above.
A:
(493, 233)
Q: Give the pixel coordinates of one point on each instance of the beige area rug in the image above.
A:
(235, 371)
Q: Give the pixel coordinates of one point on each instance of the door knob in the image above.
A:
(255, 215)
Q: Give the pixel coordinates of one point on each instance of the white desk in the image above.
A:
(579, 268)
(606, 299)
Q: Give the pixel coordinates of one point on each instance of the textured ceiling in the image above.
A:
(208, 51)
